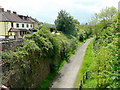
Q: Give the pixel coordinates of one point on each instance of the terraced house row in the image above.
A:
(13, 25)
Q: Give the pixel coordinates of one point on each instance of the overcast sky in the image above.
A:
(47, 10)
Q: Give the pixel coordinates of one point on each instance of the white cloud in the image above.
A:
(46, 10)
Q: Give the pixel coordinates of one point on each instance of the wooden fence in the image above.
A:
(85, 76)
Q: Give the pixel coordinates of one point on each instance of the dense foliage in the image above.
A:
(42, 47)
(39, 48)
(44, 44)
(66, 23)
(105, 67)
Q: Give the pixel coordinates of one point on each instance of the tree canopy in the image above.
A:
(66, 23)
(105, 14)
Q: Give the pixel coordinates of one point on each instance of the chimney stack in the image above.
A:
(1, 9)
(14, 12)
(8, 11)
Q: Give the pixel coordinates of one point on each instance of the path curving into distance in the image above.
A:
(66, 78)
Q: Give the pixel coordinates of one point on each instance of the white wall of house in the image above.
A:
(2, 31)
(5, 27)
(25, 25)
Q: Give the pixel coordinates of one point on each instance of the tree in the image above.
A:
(103, 19)
(94, 19)
(66, 23)
(107, 13)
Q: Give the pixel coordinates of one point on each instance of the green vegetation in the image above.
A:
(37, 46)
(88, 60)
(46, 53)
(90, 83)
(66, 23)
(48, 81)
(104, 69)
(43, 54)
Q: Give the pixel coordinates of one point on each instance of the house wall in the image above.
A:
(5, 27)
(25, 25)
(2, 31)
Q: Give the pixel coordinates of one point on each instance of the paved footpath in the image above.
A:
(66, 78)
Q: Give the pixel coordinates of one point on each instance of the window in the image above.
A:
(31, 25)
(22, 25)
(27, 25)
(17, 25)
(12, 24)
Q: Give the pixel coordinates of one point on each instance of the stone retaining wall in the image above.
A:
(10, 44)
(19, 77)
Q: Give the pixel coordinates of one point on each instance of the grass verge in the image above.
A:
(88, 59)
(90, 83)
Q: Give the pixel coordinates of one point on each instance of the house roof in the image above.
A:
(7, 16)
(13, 30)
(23, 29)
(35, 20)
(16, 30)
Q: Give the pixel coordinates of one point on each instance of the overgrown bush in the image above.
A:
(104, 69)
(41, 44)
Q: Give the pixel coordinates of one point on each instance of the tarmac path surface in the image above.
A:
(66, 78)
